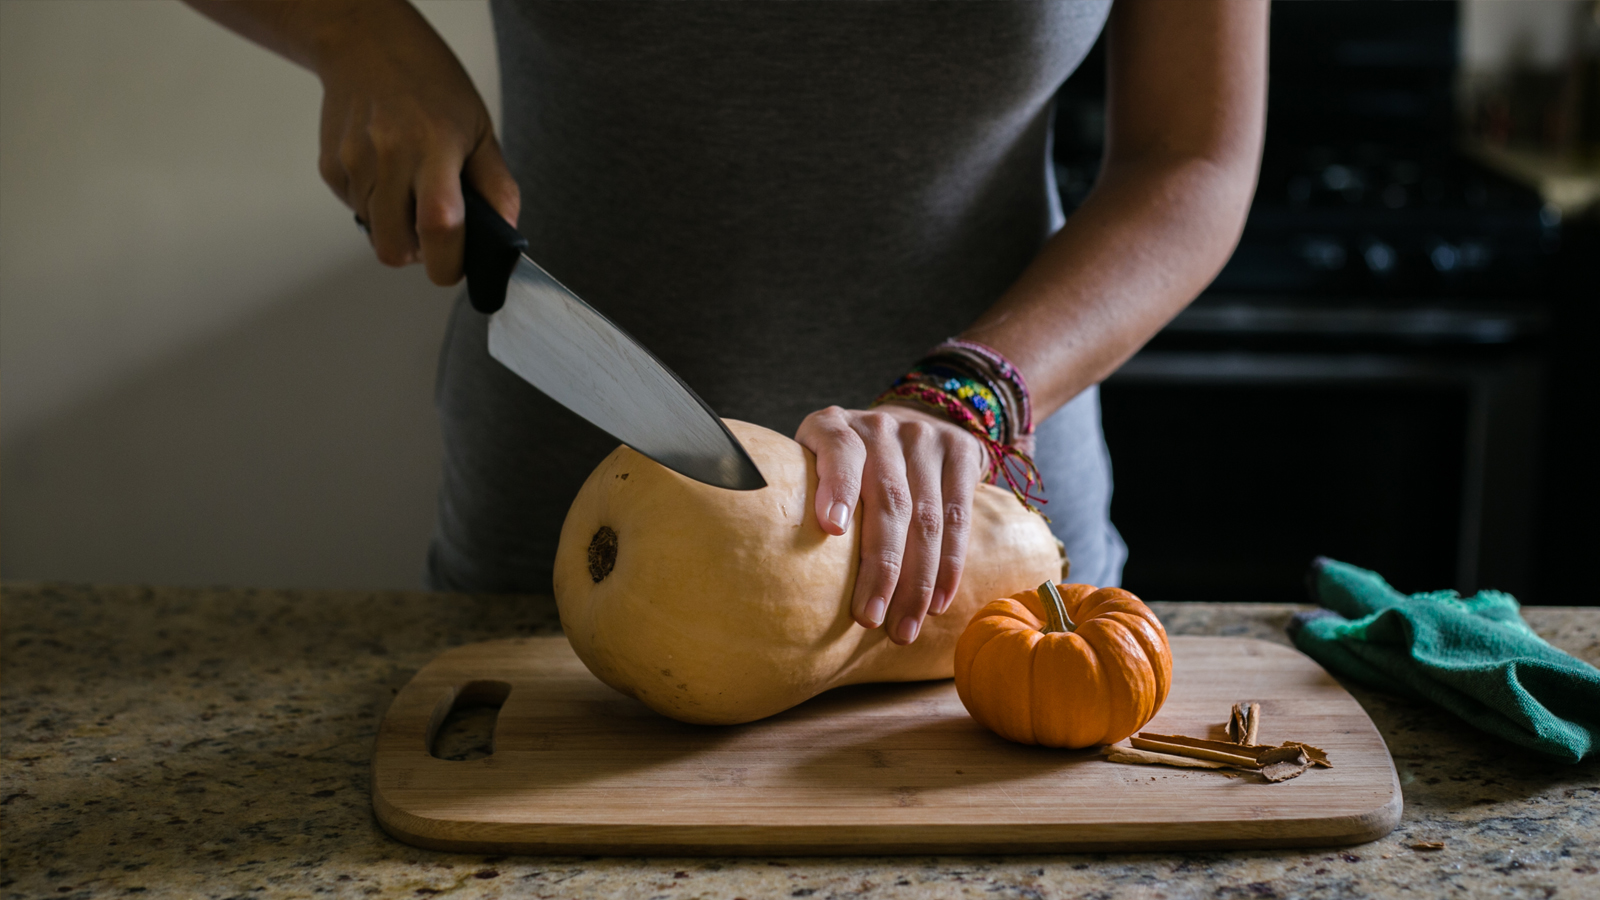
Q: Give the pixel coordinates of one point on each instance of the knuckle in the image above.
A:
(877, 423)
(435, 219)
(966, 456)
(896, 499)
(927, 522)
(957, 516)
(957, 443)
(824, 432)
(916, 594)
(843, 435)
(824, 420)
(352, 154)
(888, 566)
(386, 135)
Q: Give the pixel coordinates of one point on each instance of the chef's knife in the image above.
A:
(565, 348)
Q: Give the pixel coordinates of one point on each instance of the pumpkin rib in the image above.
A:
(1073, 597)
(1002, 674)
(1108, 600)
(1102, 696)
(1069, 667)
(1048, 654)
(1029, 602)
(1152, 638)
(982, 631)
(1128, 684)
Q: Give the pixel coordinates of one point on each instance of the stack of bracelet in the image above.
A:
(980, 390)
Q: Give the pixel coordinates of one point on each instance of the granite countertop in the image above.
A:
(215, 743)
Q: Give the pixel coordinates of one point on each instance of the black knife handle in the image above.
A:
(490, 253)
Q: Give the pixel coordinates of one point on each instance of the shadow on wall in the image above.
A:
(299, 450)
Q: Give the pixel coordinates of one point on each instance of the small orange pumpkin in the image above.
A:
(1072, 667)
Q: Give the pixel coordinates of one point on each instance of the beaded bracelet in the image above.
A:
(985, 404)
(948, 382)
(989, 362)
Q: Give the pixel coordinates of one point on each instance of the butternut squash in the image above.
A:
(716, 607)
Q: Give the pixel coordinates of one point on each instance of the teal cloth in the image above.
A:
(1473, 656)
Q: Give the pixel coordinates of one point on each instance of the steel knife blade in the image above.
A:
(564, 347)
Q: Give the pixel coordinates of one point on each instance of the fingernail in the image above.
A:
(941, 602)
(876, 607)
(908, 630)
(839, 514)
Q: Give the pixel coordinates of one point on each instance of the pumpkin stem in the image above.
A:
(1055, 610)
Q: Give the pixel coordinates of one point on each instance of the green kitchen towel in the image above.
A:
(1472, 656)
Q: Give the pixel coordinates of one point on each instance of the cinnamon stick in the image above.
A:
(1115, 753)
(1274, 763)
(1245, 724)
(1160, 743)
(1254, 752)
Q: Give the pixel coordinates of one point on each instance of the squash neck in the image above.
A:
(1055, 610)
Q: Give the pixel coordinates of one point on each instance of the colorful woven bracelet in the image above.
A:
(993, 366)
(962, 396)
(967, 388)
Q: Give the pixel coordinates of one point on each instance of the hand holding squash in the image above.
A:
(1073, 667)
(913, 474)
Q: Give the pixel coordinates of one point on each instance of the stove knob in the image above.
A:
(1323, 253)
(1445, 257)
(1380, 257)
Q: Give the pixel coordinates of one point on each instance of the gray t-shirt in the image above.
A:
(789, 203)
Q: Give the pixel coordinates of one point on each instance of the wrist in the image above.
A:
(975, 388)
(339, 34)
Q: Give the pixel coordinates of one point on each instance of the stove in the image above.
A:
(1363, 378)
(1400, 225)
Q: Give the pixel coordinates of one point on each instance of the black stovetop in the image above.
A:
(1367, 220)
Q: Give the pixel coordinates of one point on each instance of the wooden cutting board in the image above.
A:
(577, 768)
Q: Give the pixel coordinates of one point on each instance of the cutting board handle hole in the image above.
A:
(463, 726)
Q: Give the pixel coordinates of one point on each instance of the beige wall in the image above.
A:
(1538, 33)
(204, 376)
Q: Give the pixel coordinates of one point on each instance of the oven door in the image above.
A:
(1235, 469)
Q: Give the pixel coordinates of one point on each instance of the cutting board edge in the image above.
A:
(772, 840)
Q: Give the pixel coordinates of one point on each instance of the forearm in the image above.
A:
(1149, 238)
(309, 32)
(1186, 111)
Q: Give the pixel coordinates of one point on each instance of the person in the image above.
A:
(790, 203)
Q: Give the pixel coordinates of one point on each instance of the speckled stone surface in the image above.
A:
(214, 743)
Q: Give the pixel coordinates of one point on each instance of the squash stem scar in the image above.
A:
(602, 553)
(1055, 610)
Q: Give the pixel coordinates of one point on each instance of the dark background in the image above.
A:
(1396, 368)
